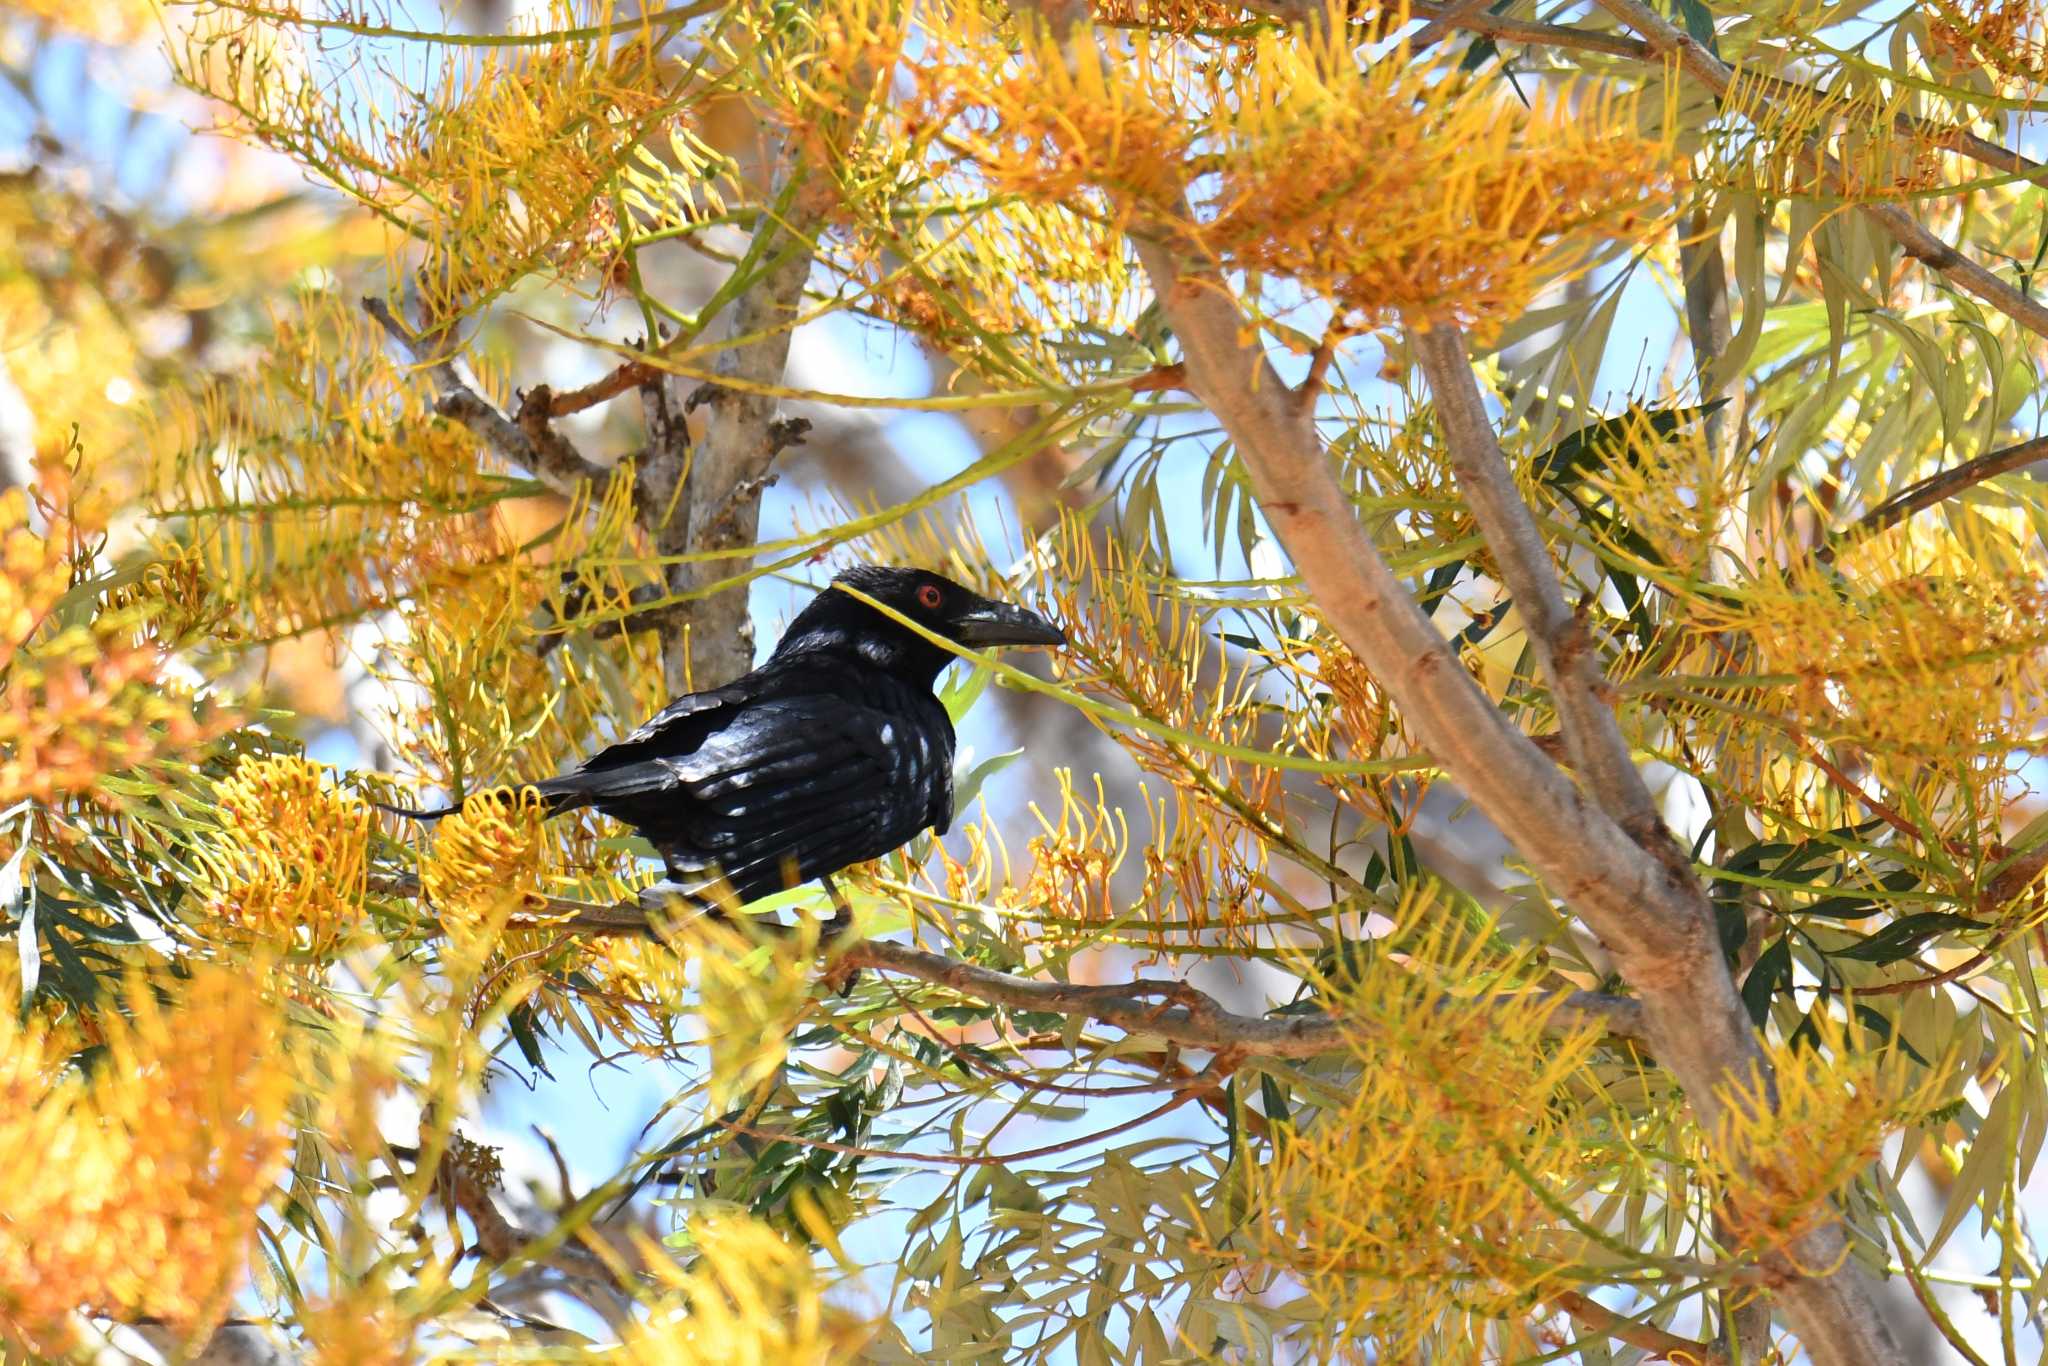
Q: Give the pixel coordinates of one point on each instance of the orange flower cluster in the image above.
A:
(497, 162)
(1074, 862)
(134, 1188)
(2007, 37)
(1780, 1152)
(1414, 1213)
(1946, 662)
(82, 686)
(101, 21)
(1395, 186)
(363, 1328)
(293, 855)
(1171, 16)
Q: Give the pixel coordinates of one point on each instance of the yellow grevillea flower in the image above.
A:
(750, 995)
(751, 1299)
(290, 863)
(1837, 1098)
(83, 698)
(1911, 651)
(487, 856)
(1392, 186)
(132, 1187)
(1428, 1202)
(2008, 37)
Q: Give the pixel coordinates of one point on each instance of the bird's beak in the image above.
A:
(998, 623)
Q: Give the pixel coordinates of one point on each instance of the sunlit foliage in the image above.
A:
(253, 1050)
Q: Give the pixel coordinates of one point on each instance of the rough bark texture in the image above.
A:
(720, 503)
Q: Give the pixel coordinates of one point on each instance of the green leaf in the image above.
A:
(1770, 974)
(969, 787)
(1984, 1167)
(1860, 902)
(1478, 53)
(1566, 463)
(962, 691)
(1699, 23)
(1904, 936)
(1273, 1101)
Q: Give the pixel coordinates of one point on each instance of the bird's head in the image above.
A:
(840, 621)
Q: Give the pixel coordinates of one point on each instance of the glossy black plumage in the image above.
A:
(833, 752)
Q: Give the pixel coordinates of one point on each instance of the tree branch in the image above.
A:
(1654, 918)
(1745, 1318)
(631, 374)
(1449, 15)
(1604, 1321)
(1916, 241)
(1530, 33)
(551, 458)
(1180, 1014)
(716, 493)
(1169, 1010)
(1947, 484)
(1566, 652)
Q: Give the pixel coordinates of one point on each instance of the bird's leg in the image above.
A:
(666, 906)
(841, 921)
(842, 913)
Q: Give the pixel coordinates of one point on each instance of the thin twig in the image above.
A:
(628, 376)
(1470, 19)
(1604, 1321)
(1060, 1148)
(1526, 31)
(2004, 887)
(554, 462)
(1319, 366)
(1440, 24)
(1563, 647)
(1937, 488)
(1564, 37)
(648, 607)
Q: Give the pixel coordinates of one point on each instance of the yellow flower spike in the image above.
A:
(2007, 37)
(493, 164)
(83, 700)
(1428, 1204)
(133, 1187)
(750, 1299)
(291, 860)
(1393, 187)
(300, 507)
(1074, 861)
(751, 991)
(1912, 649)
(1837, 1098)
(364, 1327)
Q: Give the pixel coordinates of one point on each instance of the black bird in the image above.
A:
(833, 752)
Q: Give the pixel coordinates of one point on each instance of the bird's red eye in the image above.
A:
(928, 597)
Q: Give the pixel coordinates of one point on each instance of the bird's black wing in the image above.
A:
(677, 728)
(782, 790)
